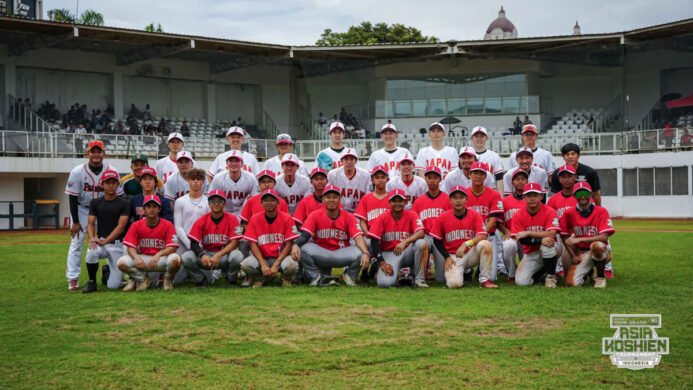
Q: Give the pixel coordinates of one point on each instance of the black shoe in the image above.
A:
(105, 274)
(467, 277)
(203, 283)
(91, 287)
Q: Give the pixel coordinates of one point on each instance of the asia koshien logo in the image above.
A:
(635, 344)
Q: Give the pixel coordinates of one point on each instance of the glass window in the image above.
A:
(381, 109)
(533, 104)
(403, 108)
(511, 105)
(436, 108)
(608, 181)
(645, 181)
(515, 89)
(493, 105)
(495, 88)
(630, 182)
(419, 107)
(435, 91)
(679, 180)
(457, 107)
(475, 106)
(663, 181)
(456, 91)
(476, 89)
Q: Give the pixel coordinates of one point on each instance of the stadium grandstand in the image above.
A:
(625, 97)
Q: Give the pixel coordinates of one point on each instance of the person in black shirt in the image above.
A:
(108, 218)
(571, 156)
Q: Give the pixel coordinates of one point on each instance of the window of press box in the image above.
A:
(665, 181)
(608, 181)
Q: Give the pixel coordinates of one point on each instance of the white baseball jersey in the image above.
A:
(293, 194)
(274, 164)
(493, 160)
(165, 168)
(390, 159)
(334, 155)
(456, 177)
(542, 158)
(86, 185)
(176, 187)
(237, 192)
(185, 213)
(446, 159)
(413, 190)
(353, 189)
(249, 163)
(536, 175)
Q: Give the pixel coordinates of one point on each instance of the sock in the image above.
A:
(601, 265)
(550, 265)
(92, 269)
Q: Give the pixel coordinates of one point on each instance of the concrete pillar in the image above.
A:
(211, 102)
(118, 93)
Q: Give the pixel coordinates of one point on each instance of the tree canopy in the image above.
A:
(151, 28)
(369, 33)
(89, 17)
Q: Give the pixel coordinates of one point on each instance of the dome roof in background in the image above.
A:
(502, 23)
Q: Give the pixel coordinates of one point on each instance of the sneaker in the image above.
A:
(91, 287)
(247, 282)
(315, 281)
(286, 283)
(550, 281)
(488, 284)
(105, 274)
(348, 280)
(168, 284)
(259, 283)
(143, 285)
(73, 285)
(130, 285)
(600, 283)
(609, 274)
(511, 280)
(421, 284)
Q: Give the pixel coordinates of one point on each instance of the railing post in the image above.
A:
(56, 210)
(11, 216)
(34, 216)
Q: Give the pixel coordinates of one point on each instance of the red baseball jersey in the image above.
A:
(488, 203)
(561, 203)
(596, 223)
(271, 237)
(511, 205)
(391, 232)
(545, 219)
(150, 240)
(215, 236)
(332, 234)
(306, 206)
(370, 208)
(454, 231)
(254, 206)
(429, 209)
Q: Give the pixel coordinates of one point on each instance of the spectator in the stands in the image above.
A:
(527, 121)
(132, 124)
(343, 115)
(134, 112)
(147, 114)
(110, 111)
(590, 123)
(161, 129)
(517, 125)
(184, 129)
(119, 128)
(80, 130)
(240, 122)
(686, 138)
(321, 120)
(668, 135)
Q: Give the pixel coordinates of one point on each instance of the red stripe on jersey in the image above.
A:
(454, 231)
(391, 232)
(215, 236)
(271, 237)
(544, 219)
(429, 209)
(150, 240)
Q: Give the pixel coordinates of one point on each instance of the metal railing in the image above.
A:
(30, 144)
(26, 118)
(17, 214)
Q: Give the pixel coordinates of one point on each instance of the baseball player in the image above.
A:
(525, 161)
(585, 230)
(353, 181)
(271, 236)
(266, 181)
(535, 227)
(542, 158)
(111, 214)
(571, 156)
(238, 184)
(131, 182)
(512, 204)
(460, 176)
(83, 185)
(429, 207)
(167, 166)
(437, 155)
(492, 159)
(284, 145)
(330, 158)
(331, 229)
(397, 241)
(375, 203)
(413, 186)
(149, 180)
(310, 203)
(150, 248)
(188, 209)
(177, 184)
(459, 237)
(235, 137)
(213, 242)
(292, 186)
(564, 199)
(390, 154)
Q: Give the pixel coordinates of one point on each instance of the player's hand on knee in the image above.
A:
(386, 268)
(205, 260)
(154, 261)
(267, 271)
(548, 241)
(576, 260)
(570, 240)
(213, 262)
(449, 263)
(296, 253)
(400, 248)
(139, 264)
(94, 243)
(365, 261)
(75, 229)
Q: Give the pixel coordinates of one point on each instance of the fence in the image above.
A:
(34, 210)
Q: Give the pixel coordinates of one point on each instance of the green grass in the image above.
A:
(337, 337)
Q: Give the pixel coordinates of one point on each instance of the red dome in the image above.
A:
(502, 23)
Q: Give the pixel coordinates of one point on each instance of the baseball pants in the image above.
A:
(498, 265)
(480, 254)
(167, 264)
(510, 250)
(111, 252)
(74, 254)
(315, 258)
(411, 257)
(576, 273)
(532, 263)
(251, 267)
(438, 261)
(229, 264)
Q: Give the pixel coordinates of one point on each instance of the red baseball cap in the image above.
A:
(349, 152)
(270, 193)
(331, 188)
(468, 151)
(266, 172)
(380, 168)
(529, 129)
(237, 154)
(397, 193)
(479, 166)
(566, 168)
(582, 185)
(290, 158)
(97, 143)
(407, 157)
(148, 171)
(532, 187)
(151, 198)
(318, 171)
(433, 169)
(458, 188)
(218, 193)
(519, 172)
(109, 174)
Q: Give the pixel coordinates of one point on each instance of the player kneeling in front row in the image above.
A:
(392, 235)
(151, 248)
(271, 236)
(213, 240)
(585, 230)
(331, 230)
(459, 237)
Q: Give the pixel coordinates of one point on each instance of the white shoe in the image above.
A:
(348, 280)
(143, 285)
(421, 284)
(600, 283)
(550, 281)
(130, 286)
(73, 285)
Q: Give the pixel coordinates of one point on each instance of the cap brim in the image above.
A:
(532, 191)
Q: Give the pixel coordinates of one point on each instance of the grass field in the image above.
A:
(339, 337)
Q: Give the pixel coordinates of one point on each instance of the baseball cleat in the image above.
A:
(421, 284)
(91, 287)
(315, 281)
(600, 283)
(73, 285)
(105, 274)
(488, 284)
(168, 284)
(258, 284)
(247, 282)
(286, 283)
(348, 280)
(550, 281)
(511, 280)
(144, 284)
(130, 285)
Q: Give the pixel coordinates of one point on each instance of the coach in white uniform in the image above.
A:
(331, 158)
(390, 154)
(284, 145)
(479, 138)
(235, 137)
(542, 158)
(292, 186)
(238, 184)
(353, 181)
(436, 155)
(165, 167)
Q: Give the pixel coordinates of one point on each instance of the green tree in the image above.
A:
(91, 18)
(369, 33)
(61, 15)
(151, 28)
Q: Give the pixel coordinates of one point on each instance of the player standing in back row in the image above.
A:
(352, 180)
(331, 158)
(542, 158)
(436, 155)
(166, 166)
(390, 154)
(235, 136)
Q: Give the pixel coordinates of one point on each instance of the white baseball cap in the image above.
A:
(479, 129)
(388, 126)
(336, 125)
(284, 139)
(175, 135)
(436, 124)
(184, 154)
(290, 158)
(469, 151)
(407, 157)
(235, 154)
(235, 130)
(350, 152)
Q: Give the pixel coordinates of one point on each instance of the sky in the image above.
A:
(300, 22)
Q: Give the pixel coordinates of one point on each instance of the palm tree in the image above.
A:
(151, 28)
(61, 15)
(91, 18)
